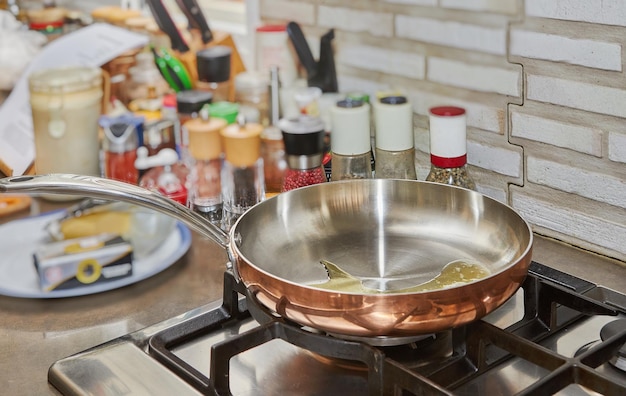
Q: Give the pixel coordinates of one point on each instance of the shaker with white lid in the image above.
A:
(350, 140)
(448, 147)
(395, 148)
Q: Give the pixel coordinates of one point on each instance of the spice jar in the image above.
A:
(188, 106)
(395, 149)
(213, 66)
(304, 148)
(350, 140)
(243, 183)
(448, 147)
(204, 182)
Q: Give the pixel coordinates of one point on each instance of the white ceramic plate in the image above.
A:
(18, 277)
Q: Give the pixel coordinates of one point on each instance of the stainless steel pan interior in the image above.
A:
(387, 234)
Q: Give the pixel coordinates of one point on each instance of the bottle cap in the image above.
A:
(213, 64)
(225, 110)
(448, 141)
(120, 137)
(242, 143)
(394, 124)
(303, 135)
(204, 137)
(191, 101)
(351, 128)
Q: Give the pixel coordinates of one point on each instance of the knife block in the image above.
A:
(219, 38)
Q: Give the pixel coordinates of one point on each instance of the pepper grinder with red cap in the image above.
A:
(448, 147)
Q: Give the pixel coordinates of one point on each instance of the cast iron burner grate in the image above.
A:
(552, 301)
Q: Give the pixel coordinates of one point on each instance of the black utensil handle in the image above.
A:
(166, 24)
(302, 48)
(196, 18)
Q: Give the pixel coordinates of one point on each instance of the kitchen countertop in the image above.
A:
(34, 333)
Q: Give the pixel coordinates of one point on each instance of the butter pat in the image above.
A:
(83, 261)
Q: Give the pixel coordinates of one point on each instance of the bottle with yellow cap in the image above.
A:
(204, 181)
(243, 181)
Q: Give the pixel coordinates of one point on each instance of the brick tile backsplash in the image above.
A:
(542, 82)
(606, 12)
(474, 77)
(452, 34)
(552, 47)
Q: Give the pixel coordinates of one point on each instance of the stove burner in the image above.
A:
(609, 330)
(385, 341)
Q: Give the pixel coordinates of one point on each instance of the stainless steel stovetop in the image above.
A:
(543, 341)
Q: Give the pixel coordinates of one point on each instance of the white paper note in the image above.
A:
(91, 46)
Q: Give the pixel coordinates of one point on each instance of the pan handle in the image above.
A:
(97, 187)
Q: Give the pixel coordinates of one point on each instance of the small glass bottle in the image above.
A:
(243, 183)
(120, 152)
(448, 147)
(213, 65)
(251, 92)
(304, 148)
(395, 148)
(350, 141)
(272, 145)
(204, 181)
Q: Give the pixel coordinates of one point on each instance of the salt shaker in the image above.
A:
(242, 179)
(205, 149)
(395, 148)
(448, 147)
(304, 149)
(350, 140)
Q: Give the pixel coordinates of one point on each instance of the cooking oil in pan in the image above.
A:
(455, 273)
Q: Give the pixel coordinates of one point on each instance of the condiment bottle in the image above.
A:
(350, 140)
(188, 106)
(395, 149)
(204, 181)
(272, 145)
(163, 173)
(304, 148)
(448, 147)
(119, 146)
(243, 183)
(251, 92)
(213, 65)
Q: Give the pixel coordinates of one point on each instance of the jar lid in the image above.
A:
(271, 28)
(242, 143)
(225, 110)
(393, 116)
(448, 144)
(204, 137)
(213, 64)
(65, 79)
(191, 101)
(351, 128)
(251, 81)
(303, 135)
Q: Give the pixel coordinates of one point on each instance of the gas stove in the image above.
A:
(558, 334)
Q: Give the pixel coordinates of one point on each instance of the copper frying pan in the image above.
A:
(390, 235)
